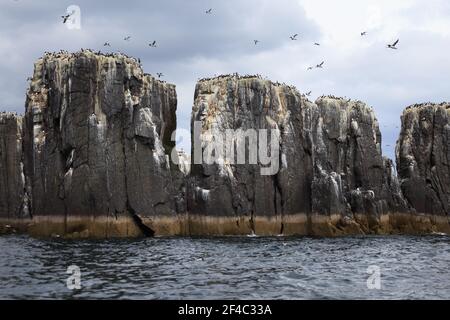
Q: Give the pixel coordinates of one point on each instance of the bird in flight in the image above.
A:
(308, 93)
(320, 65)
(153, 44)
(310, 68)
(127, 38)
(66, 17)
(316, 44)
(256, 42)
(159, 74)
(294, 37)
(393, 46)
(363, 33)
(107, 44)
(209, 11)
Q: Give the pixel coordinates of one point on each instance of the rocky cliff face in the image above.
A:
(90, 158)
(14, 199)
(351, 178)
(240, 198)
(331, 177)
(423, 157)
(97, 134)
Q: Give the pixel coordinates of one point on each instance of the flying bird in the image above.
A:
(320, 65)
(159, 74)
(209, 11)
(393, 46)
(66, 17)
(294, 37)
(316, 44)
(153, 44)
(308, 93)
(310, 68)
(107, 44)
(127, 38)
(363, 33)
(256, 42)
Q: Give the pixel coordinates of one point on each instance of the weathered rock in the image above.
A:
(332, 177)
(14, 200)
(91, 159)
(351, 176)
(423, 157)
(97, 136)
(238, 196)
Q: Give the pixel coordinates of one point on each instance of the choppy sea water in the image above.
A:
(227, 268)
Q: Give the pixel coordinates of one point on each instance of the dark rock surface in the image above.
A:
(423, 157)
(90, 158)
(350, 174)
(98, 130)
(14, 200)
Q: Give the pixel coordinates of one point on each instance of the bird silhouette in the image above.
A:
(294, 37)
(308, 93)
(256, 42)
(107, 44)
(127, 38)
(316, 44)
(159, 74)
(363, 33)
(310, 68)
(209, 11)
(153, 44)
(393, 46)
(320, 65)
(66, 17)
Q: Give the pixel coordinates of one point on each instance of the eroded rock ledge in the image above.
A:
(90, 158)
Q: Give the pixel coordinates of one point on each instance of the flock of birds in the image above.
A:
(294, 37)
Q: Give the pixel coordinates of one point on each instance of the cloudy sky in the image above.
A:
(192, 44)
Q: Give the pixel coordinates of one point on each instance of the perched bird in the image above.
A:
(66, 17)
(153, 44)
(294, 37)
(363, 33)
(127, 38)
(256, 42)
(107, 44)
(320, 65)
(209, 11)
(316, 44)
(393, 46)
(159, 74)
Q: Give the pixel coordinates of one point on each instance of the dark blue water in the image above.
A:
(231, 268)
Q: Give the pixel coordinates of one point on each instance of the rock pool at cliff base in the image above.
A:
(227, 268)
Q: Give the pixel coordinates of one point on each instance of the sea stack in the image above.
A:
(14, 196)
(97, 135)
(93, 157)
(423, 159)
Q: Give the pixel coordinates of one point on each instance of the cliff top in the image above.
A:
(9, 115)
(91, 54)
(427, 105)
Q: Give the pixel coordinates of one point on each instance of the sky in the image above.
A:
(193, 44)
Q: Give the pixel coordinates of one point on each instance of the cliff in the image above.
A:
(14, 199)
(238, 198)
(96, 137)
(330, 179)
(423, 157)
(93, 157)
